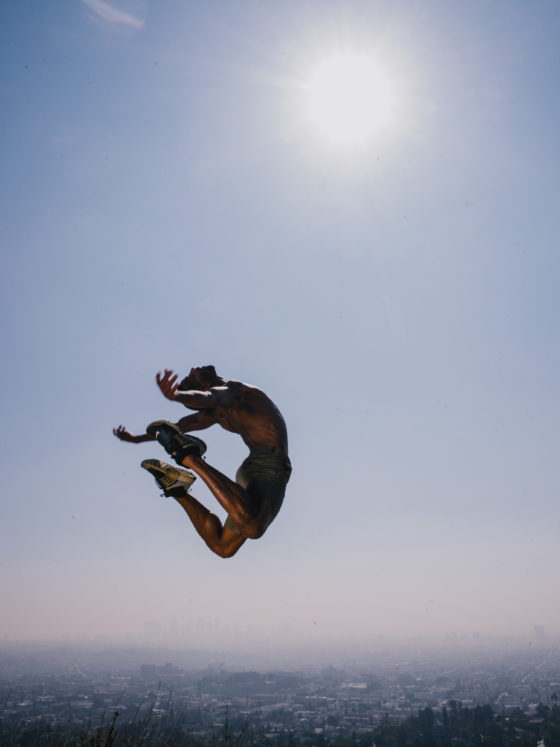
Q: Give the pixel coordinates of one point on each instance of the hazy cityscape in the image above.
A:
(267, 695)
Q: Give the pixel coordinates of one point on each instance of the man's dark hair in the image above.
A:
(207, 371)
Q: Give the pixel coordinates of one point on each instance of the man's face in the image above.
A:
(198, 378)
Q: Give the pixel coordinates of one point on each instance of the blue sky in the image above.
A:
(167, 203)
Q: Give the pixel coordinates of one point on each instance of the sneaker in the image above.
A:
(173, 481)
(176, 443)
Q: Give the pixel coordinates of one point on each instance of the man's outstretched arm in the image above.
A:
(125, 435)
(198, 421)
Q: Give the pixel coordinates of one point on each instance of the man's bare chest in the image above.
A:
(229, 419)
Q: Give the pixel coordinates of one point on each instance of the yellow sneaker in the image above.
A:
(172, 480)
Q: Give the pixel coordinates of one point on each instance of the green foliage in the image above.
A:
(453, 726)
(466, 727)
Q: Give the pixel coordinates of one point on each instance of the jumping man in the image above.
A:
(251, 502)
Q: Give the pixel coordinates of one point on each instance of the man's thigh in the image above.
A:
(266, 500)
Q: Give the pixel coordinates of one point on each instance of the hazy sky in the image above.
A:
(167, 201)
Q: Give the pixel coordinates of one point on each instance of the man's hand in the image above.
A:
(124, 435)
(167, 384)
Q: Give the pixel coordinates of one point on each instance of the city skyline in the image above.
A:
(189, 695)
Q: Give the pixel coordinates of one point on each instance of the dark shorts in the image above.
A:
(265, 474)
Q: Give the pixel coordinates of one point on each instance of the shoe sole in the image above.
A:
(159, 469)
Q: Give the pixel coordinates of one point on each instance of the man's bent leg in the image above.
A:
(251, 511)
(252, 520)
(223, 541)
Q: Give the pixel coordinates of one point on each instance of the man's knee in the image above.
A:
(254, 528)
(246, 528)
(248, 525)
(226, 547)
(224, 552)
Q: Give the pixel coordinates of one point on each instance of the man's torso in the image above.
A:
(253, 415)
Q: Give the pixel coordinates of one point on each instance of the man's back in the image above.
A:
(248, 411)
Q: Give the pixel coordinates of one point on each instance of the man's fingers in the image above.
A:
(167, 376)
(167, 382)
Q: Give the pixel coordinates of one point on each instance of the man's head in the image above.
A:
(201, 377)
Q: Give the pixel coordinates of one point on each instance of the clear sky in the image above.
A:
(167, 200)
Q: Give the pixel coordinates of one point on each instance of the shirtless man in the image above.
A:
(251, 502)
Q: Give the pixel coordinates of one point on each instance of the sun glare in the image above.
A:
(349, 98)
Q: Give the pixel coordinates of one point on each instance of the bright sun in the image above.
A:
(349, 98)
